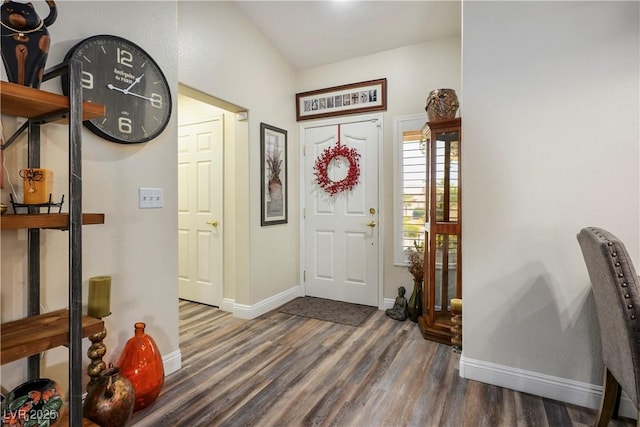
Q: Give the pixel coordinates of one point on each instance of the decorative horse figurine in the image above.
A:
(25, 41)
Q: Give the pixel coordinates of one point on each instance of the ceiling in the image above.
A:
(314, 33)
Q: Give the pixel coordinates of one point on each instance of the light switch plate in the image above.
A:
(150, 198)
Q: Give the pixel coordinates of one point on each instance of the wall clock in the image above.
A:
(120, 75)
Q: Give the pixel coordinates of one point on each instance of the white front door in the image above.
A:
(200, 175)
(342, 254)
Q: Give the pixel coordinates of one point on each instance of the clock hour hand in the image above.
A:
(135, 82)
(126, 92)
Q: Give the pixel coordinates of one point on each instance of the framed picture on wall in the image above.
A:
(339, 100)
(273, 165)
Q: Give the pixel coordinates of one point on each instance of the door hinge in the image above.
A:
(304, 276)
(304, 150)
(304, 213)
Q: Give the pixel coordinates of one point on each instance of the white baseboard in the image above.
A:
(569, 391)
(228, 304)
(244, 311)
(172, 362)
(388, 303)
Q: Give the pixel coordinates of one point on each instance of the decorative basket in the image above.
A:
(442, 104)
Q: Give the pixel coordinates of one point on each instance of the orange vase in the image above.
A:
(141, 362)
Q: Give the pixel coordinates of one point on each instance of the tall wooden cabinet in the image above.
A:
(39, 332)
(443, 257)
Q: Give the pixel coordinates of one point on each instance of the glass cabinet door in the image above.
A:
(442, 259)
(446, 182)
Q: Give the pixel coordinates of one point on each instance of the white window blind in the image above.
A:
(410, 184)
(414, 179)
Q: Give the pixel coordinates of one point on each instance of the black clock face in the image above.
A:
(127, 81)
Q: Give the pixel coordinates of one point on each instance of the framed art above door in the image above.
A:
(351, 98)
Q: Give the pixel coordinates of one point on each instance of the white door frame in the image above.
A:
(333, 122)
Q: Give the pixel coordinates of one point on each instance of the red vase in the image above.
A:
(141, 362)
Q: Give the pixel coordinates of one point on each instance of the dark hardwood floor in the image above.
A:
(283, 370)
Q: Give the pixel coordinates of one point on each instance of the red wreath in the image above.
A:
(322, 163)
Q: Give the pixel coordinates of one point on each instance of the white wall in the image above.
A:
(551, 145)
(223, 55)
(411, 72)
(138, 248)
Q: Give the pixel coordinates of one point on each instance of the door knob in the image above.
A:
(213, 223)
(371, 224)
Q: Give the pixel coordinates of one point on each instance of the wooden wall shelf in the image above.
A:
(22, 101)
(35, 334)
(58, 221)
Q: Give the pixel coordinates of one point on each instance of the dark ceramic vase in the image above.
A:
(36, 403)
(415, 302)
(442, 104)
(110, 401)
(141, 362)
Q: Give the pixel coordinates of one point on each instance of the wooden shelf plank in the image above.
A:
(56, 220)
(23, 101)
(35, 334)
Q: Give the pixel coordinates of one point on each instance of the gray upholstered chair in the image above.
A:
(616, 291)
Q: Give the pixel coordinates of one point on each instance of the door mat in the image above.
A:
(328, 310)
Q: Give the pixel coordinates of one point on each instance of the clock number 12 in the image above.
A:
(125, 58)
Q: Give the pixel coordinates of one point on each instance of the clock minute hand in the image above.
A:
(139, 96)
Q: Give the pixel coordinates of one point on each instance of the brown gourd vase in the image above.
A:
(110, 402)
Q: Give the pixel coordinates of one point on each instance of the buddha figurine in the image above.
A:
(400, 306)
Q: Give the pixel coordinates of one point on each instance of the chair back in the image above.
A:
(615, 286)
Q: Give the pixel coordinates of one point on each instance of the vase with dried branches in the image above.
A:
(415, 264)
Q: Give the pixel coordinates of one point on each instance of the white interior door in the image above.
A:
(342, 231)
(200, 175)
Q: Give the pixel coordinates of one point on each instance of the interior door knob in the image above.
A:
(371, 224)
(213, 223)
